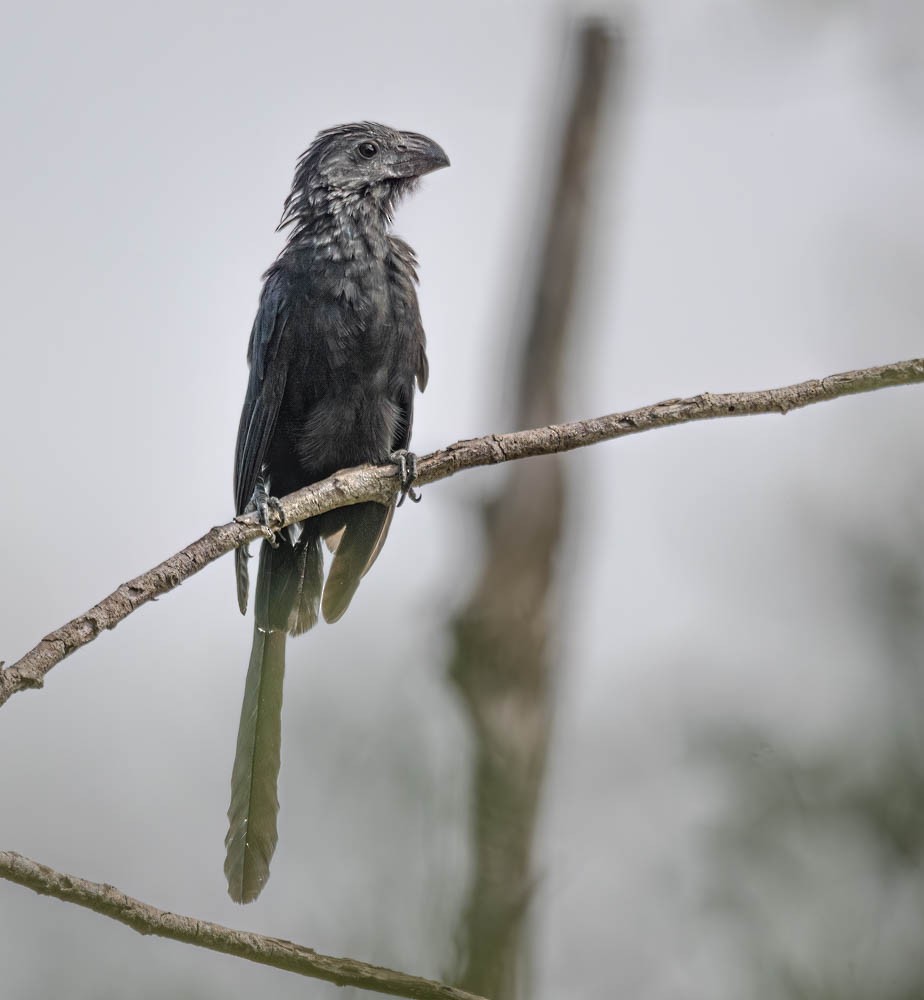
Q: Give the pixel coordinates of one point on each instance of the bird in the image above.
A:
(336, 351)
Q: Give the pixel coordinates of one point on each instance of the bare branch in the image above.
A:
(276, 952)
(380, 483)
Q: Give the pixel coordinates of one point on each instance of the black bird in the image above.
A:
(336, 348)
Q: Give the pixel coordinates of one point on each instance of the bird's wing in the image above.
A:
(264, 390)
(406, 397)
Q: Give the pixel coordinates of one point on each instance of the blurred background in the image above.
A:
(677, 750)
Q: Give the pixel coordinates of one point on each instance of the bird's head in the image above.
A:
(359, 168)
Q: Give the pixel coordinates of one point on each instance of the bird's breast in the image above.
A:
(343, 405)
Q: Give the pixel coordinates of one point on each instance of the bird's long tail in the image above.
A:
(288, 595)
(251, 838)
(290, 581)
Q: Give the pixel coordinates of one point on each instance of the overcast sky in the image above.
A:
(759, 222)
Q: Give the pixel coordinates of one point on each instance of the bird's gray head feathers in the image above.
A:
(354, 172)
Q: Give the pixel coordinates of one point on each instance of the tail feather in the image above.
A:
(363, 535)
(251, 838)
(241, 555)
(310, 579)
(287, 599)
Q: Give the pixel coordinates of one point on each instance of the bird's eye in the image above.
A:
(367, 150)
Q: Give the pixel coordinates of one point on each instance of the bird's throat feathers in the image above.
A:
(343, 224)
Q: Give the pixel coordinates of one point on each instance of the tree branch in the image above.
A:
(276, 952)
(380, 483)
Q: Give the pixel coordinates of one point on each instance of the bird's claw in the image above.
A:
(268, 509)
(407, 472)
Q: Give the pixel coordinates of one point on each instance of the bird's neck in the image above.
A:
(347, 229)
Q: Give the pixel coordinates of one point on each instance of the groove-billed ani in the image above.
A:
(336, 347)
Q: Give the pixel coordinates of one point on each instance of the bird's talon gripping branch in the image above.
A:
(268, 509)
(407, 472)
(275, 505)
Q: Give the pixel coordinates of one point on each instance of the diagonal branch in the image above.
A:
(276, 952)
(380, 483)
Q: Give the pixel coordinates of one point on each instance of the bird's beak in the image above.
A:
(417, 155)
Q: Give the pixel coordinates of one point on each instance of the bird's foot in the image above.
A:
(268, 509)
(407, 471)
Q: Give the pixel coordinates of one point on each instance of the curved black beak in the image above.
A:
(417, 155)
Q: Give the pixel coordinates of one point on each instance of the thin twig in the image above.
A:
(368, 482)
(276, 952)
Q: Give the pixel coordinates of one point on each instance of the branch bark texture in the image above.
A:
(381, 483)
(276, 952)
